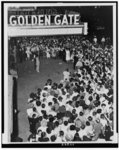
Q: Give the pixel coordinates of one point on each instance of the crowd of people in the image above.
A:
(65, 47)
(80, 106)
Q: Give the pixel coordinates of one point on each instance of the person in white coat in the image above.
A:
(67, 56)
(37, 63)
(47, 52)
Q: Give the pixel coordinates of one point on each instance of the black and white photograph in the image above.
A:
(60, 74)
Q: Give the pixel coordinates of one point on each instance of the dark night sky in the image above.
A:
(100, 18)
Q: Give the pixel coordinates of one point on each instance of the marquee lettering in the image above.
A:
(46, 20)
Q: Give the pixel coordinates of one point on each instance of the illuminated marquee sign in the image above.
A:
(44, 20)
(44, 24)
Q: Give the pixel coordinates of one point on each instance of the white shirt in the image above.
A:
(64, 98)
(102, 99)
(29, 100)
(79, 109)
(95, 39)
(65, 119)
(103, 122)
(30, 112)
(89, 129)
(64, 128)
(74, 94)
(50, 98)
(104, 90)
(79, 64)
(47, 86)
(79, 71)
(58, 140)
(66, 75)
(82, 133)
(59, 91)
(70, 134)
(52, 113)
(103, 39)
(39, 109)
(56, 131)
(69, 107)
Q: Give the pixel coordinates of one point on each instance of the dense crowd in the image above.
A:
(80, 107)
(26, 48)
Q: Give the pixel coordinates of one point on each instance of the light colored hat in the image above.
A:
(43, 123)
(87, 102)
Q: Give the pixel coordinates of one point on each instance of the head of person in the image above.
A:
(53, 138)
(65, 123)
(38, 103)
(96, 103)
(54, 99)
(34, 116)
(90, 118)
(94, 113)
(74, 111)
(43, 134)
(103, 105)
(43, 112)
(90, 98)
(77, 104)
(49, 82)
(48, 130)
(60, 98)
(99, 111)
(81, 113)
(87, 123)
(60, 85)
(67, 70)
(72, 127)
(102, 116)
(43, 105)
(32, 95)
(40, 118)
(61, 133)
(82, 126)
(82, 97)
(56, 123)
(50, 104)
(110, 109)
(34, 109)
(44, 94)
(76, 134)
(54, 86)
(51, 119)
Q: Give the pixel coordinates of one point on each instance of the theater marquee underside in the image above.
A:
(50, 30)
